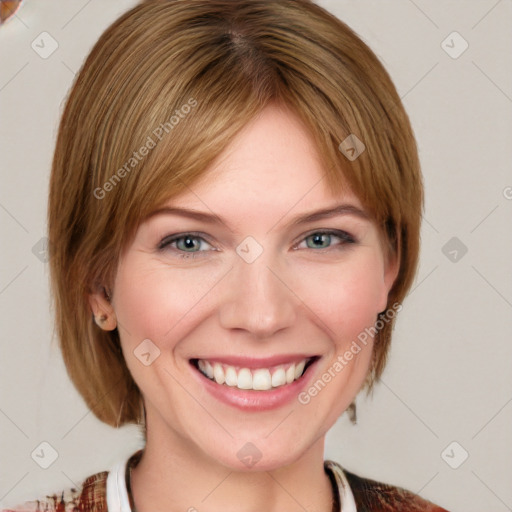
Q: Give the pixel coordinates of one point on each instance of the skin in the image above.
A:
(298, 296)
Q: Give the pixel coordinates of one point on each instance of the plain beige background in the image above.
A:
(447, 392)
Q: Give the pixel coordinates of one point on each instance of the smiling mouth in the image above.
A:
(257, 379)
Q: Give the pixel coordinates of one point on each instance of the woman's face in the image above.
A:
(248, 274)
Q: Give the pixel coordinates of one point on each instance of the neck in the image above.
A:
(173, 475)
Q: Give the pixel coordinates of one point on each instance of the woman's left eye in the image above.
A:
(324, 239)
(188, 244)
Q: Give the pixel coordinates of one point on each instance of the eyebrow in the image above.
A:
(212, 218)
(326, 213)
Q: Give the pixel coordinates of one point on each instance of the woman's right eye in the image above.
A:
(188, 244)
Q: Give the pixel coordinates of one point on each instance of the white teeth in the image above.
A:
(299, 368)
(208, 370)
(231, 378)
(218, 373)
(278, 378)
(290, 374)
(261, 379)
(244, 379)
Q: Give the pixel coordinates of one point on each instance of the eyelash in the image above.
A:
(166, 242)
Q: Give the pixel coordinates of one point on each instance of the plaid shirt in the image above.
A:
(369, 495)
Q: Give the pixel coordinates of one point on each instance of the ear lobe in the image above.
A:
(104, 314)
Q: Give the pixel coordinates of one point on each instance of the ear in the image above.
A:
(104, 314)
(391, 269)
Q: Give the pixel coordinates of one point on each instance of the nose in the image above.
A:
(257, 299)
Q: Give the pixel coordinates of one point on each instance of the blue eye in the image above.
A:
(187, 243)
(191, 245)
(323, 239)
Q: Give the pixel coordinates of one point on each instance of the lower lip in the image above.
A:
(252, 400)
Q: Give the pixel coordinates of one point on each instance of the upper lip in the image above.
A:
(253, 362)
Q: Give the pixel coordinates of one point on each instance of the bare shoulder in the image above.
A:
(90, 496)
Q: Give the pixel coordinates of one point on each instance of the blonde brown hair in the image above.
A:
(181, 78)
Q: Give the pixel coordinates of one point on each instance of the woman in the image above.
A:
(234, 216)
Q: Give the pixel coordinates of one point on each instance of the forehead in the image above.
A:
(272, 165)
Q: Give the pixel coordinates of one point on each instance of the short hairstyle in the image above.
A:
(180, 78)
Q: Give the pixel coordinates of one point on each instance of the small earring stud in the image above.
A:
(100, 320)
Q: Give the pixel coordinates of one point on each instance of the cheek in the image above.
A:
(347, 298)
(153, 301)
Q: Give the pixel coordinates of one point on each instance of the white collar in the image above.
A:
(118, 501)
(117, 495)
(345, 492)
